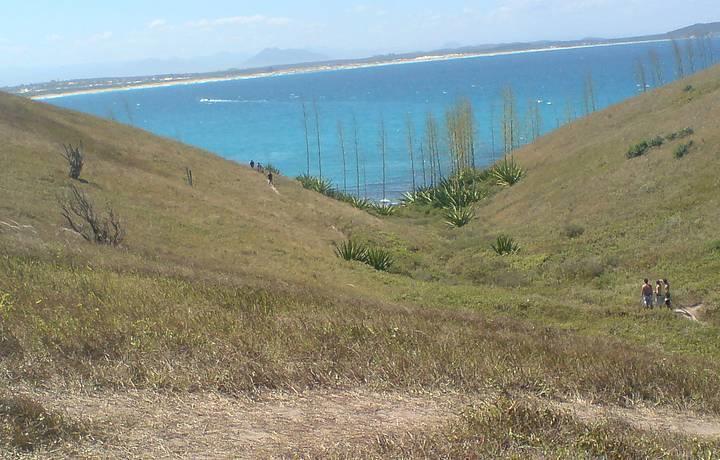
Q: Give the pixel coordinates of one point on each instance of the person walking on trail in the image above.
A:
(659, 296)
(668, 302)
(270, 178)
(252, 164)
(647, 294)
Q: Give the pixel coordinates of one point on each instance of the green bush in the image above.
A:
(638, 150)
(505, 245)
(507, 173)
(656, 141)
(573, 231)
(458, 217)
(683, 133)
(379, 259)
(682, 150)
(714, 247)
(351, 250)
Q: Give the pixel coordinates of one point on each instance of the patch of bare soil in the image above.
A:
(144, 424)
(649, 419)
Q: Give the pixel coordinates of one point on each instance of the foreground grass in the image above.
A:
(130, 330)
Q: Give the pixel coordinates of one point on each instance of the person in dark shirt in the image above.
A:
(252, 164)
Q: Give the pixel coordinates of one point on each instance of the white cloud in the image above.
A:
(100, 37)
(367, 9)
(157, 24)
(240, 20)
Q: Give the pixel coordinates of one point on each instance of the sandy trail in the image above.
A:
(146, 424)
(143, 424)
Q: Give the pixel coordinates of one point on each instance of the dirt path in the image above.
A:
(655, 419)
(144, 424)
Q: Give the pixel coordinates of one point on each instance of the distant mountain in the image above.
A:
(697, 30)
(276, 56)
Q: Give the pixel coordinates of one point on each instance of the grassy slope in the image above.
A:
(232, 287)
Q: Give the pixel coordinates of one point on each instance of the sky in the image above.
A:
(37, 36)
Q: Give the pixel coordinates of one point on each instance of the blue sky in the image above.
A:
(49, 33)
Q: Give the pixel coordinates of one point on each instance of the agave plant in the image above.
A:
(459, 216)
(351, 250)
(360, 203)
(508, 173)
(505, 245)
(323, 186)
(383, 209)
(379, 259)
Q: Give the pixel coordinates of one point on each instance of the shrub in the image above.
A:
(458, 217)
(351, 250)
(715, 246)
(683, 133)
(688, 88)
(379, 259)
(505, 245)
(507, 173)
(75, 160)
(682, 150)
(573, 231)
(638, 150)
(80, 214)
(656, 141)
(584, 268)
(26, 425)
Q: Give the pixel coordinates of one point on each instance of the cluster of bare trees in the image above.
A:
(79, 211)
(447, 148)
(694, 54)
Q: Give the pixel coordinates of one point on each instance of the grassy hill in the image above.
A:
(231, 287)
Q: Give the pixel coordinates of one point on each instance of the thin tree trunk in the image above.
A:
(411, 148)
(357, 155)
(307, 137)
(341, 138)
(317, 132)
(383, 142)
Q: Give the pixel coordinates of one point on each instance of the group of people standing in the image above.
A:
(657, 296)
(259, 167)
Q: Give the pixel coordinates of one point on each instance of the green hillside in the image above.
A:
(232, 288)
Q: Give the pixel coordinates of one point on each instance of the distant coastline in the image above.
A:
(167, 81)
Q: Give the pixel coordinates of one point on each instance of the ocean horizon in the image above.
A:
(261, 119)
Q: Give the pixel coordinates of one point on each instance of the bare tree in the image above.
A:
(657, 70)
(433, 148)
(509, 120)
(75, 159)
(356, 142)
(382, 141)
(690, 52)
(679, 66)
(317, 132)
(307, 136)
(341, 140)
(411, 147)
(640, 75)
(80, 214)
(189, 176)
(589, 95)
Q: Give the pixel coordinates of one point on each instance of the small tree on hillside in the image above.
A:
(80, 214)
(74, 157)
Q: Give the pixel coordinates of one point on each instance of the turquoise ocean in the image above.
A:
(261, 119)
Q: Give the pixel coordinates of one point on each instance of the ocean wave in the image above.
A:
(232, 101)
